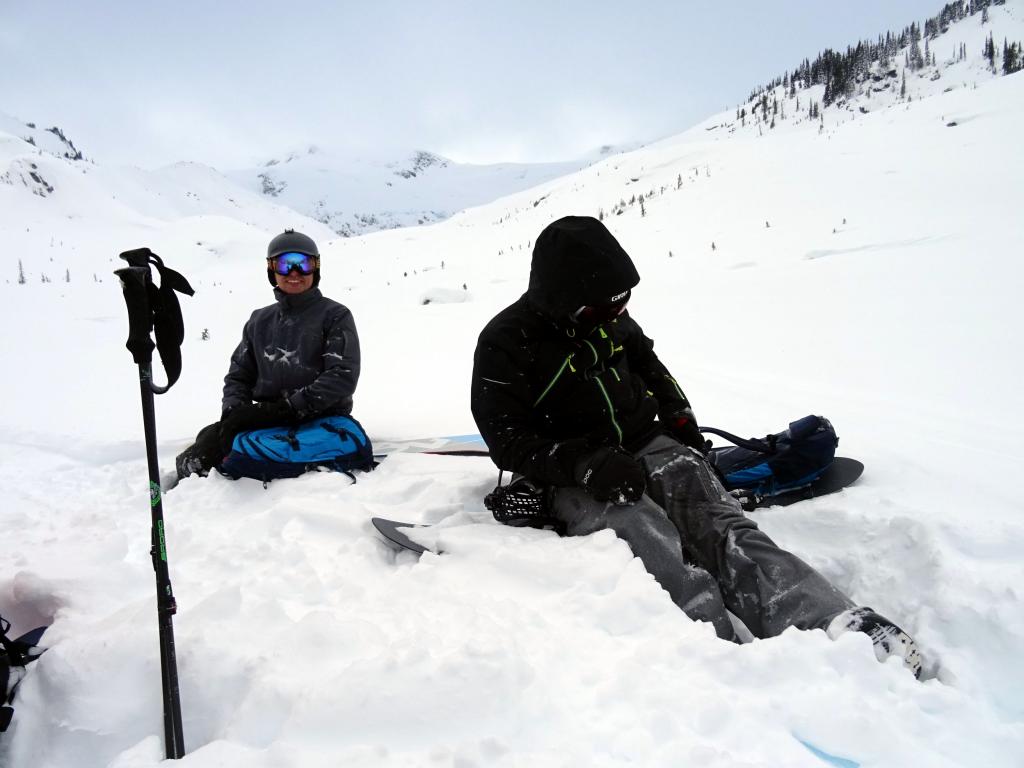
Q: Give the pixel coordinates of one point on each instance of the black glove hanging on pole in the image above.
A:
(156, 308)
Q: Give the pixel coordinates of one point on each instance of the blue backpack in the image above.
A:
(335, 442)
(785, 461)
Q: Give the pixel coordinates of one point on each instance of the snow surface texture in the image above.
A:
(304, 641)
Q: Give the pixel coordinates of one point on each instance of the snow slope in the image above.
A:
(358, 195)
(866, 271)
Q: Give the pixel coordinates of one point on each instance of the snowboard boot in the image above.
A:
(887, 638)
(204, 454)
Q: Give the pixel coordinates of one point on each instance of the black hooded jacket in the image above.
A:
(538, 398)
(303, 348)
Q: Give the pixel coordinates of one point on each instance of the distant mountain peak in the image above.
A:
(420, 161)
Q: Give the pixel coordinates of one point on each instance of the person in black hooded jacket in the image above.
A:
(298, 358)
(568, 393)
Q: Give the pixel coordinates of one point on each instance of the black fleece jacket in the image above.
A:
(539, 397)
(303, 348)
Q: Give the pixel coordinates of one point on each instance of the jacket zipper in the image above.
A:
(611, 409)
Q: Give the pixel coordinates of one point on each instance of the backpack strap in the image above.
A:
(767, 445)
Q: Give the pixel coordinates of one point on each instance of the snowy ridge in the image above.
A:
(355, 196)
(866, 271)
(50, 140)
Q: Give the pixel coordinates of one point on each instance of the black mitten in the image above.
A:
(243, 418)
(611, 474)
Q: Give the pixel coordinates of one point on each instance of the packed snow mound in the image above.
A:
(444, 296)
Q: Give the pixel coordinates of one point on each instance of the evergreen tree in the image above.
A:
(903, 86)
(21, 273)
(916, 59)
(1011, 58)
(67, 275)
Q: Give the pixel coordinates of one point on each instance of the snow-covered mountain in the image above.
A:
(862, 266)
(65, 217)
(357, 195)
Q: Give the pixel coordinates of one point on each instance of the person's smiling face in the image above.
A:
(294, 282)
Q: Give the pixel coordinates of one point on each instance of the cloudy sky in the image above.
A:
(233, 83)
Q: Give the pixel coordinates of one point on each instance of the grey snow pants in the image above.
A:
(693, 537)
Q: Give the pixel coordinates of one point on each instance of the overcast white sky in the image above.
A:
(235, 83)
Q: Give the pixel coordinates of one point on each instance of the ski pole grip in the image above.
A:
(135, 281)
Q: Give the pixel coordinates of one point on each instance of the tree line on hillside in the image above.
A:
(840, 73)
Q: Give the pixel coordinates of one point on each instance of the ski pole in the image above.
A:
(150, 307)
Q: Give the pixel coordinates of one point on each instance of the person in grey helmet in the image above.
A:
(569, 395)
(298, 358)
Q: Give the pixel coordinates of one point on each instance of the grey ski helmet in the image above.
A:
(291, 241)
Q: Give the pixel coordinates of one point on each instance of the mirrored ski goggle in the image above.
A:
(601, 313)
(286, 262)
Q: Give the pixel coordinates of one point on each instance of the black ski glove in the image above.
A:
(243, 418)
(683, 427)
(611, 474)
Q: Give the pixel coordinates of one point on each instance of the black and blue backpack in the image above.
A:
(760, 468)
(337, 443)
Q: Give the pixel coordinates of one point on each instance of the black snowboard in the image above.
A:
(841, 473)
(391, 530)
